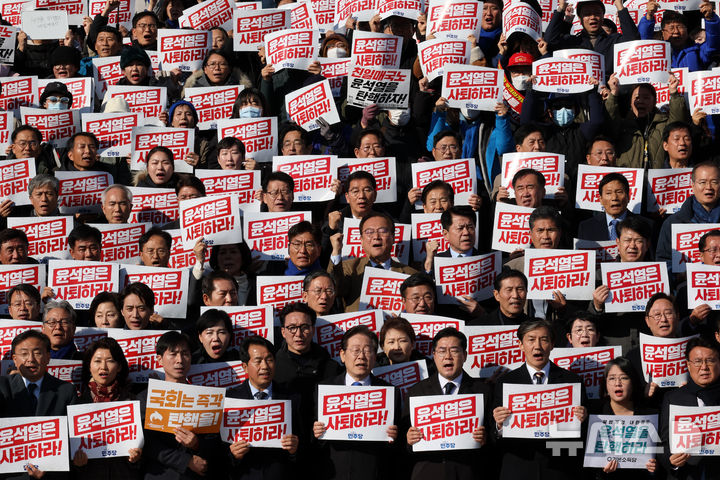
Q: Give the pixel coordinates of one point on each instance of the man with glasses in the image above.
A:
(277, 192)
(702, 319)
(319, 293)
(377, 232)
(370, 144)
(303, 252)
(27, 143)
(144, 30)
(24, 303)
(294, 140)
(446, 146)
(59, 326)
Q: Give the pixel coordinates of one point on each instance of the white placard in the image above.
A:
(541, 411)
(357, 413)
(446, 421)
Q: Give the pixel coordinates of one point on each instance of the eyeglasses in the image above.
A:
(454, 351)
(665, 314)
(382, 231)
(27, 143)
(427, 298)
(355, 192)
(54, 99)
(217, 65)
(319, 291)
(373, 147)
(152, 251)
(615, 378)
(712, 250)
(699, 362)
(146, 26)
(54, 323)
(704, 183)
(445, 148)
(293, 329)
(586, 330)
(278, 193)
(355, 352)
(309, 246)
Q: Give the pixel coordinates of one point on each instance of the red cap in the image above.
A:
(520, 60)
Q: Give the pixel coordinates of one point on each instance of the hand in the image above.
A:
(414, 435)
(614, 84)
(249, 164)
(315, 68)
(375, 24)
(600, 295)
(289, 443)
(80, 459)
(187, 438)
(475, 202)
(562, 5)
(200, 251)
(503, 195)
(110, 5)
(334, 219)
(472, 40)
(176, 75)
(6, 207)
(124, 31)
(651, 389)
(164, 117)
(423, 84)
(34, 472)
(501, 109)
(239, 449)
(707, 10)
(700, 313)
(414, 195)
(471, 305)
(500, 414)
(267, 72)
(319, 429)
(350, 23)
(651, 465)
(698, 117)
(679, 459)
(198, 465)
(542, 46)
(619, 5)
(335, 185)
(611, 466)
(650, 9)
(156, 321)
(22, 40)
(134, 455)
(392, 432)
(47, 294)
(479, 435)
(258, 195)
(326, 130)
(192, 159)
(673, 84)
(431, 248)
(502, 45)
(368, 115)
(87, 21)
(336, 240)
(516, 253)
(441, 105)
(558, 303)
(561, 197)
(580, 413)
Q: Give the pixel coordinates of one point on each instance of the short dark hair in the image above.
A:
(545, 212)
(378, 214)
(113, 30)
(169, 340)
(27, 334)
(598, 138)
(614, 177)
(161, 149)
(534, 324)
(435, 184)
(291, 127)
(637, 225)
(700, 341)
(298, 307)
(660, 296)
(316, 274)
(360, 175)
(416, 280)
(446, 218)
(84, 232)
(71, 141)
(145, 13)
(524, 130)
(9, 234)
(508, 273)
(188, 180)
(244, 254)
(229, 142)
(672, 17)
(580, 315)
(155, 231)
(254, 340)
(217, 51)
(703, 240)
(24, 128)
(359, 330)
(208, 282)
(397, 323)
(278, 177)
(446, 133)
(671, 127)
(369, 131)
(211, 318)
(116, 353)
(627, 368)
(142, 291)
(528, 171)
(25, 288)
(450, 332)
(245, 95)
(304, 227)
(104, 297)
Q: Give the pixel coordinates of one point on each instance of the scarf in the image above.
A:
(702, 215)
(710, 395)
(292, 269)
(65, 352)
(104, 394)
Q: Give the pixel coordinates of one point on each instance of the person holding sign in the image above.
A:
(14, 245)
(105, 379)
(449, 348)
(43, 190)
(510, 291)
(82, 156)
(215, 333)
(397, 339)
(250, 462)
(160, 172)
(24, 302)
(530, 458)
(359, 460)
(59, 323)
(701, 390)
(26, 142)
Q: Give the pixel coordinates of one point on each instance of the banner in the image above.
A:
(595, 59)
(175, 405)
(248, 321)
(241, 183)
(217, 374)
(403, 375)
(86, 336)
(605, 250)
(427, 326)
(456, 19)
(150, 101)
(511, 227)
(105, 430)
(301, 15)
(490, 347)
(138, 346)
(47, 235)
(324, 13)
(541, 411)
(180, 141)
(293, 48)
(305, 105)
(435, 54)
(632, 284)
(379, 50)
(7, 44)
(681, 5)
(663, 360)
(352, 241)
(472, 87)
(215, 220)
(694, 430)
(15, 176)
(81, 88)
(662, 90)
(106, 72)
(113, 131)
(671, 187)
(468, 276)
(703, 285)
(521, 17)
(410, 9)
(550, 165)
(261, 423)
(276, 293)
(704, 91)
(361, 10)
(642, 61)
(587, 195)
(313, 175)
(120, 241)
(266, 232)
(335, 70)
(12, 275)
(122, 15)
(685, 239)
(388, 89)
(205, 15)
(460, 174)
(69, 371)
(251, 26)
(18, 92)
(381, 290)
(569, 271)
(383, 169)
(80, 192)
(7, 125)
(588, 362)
(357, 413)
(169, 285)
(157, 206)
(329, 329)
(42, 441)
(80, 281)
(56, 126)
(426, 227)
(212, 103)
(557, 75)
(630, 440)
(259, 135)
(447, 422)
(9, 329)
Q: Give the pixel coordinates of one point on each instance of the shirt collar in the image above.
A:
(545, 370)
(444, 381)
(609, 218)
(254, 390)
(350, 380)
(455, 254)
(36, 382)
(386, 264)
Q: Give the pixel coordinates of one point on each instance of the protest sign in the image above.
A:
(386, 88)
(313, 175)
(490, 347)
(671, 187)
(632, 284)
(704, 91)
(40, 441)
(7, 44)
(138, 346)
(352, 241)
(557, 75)
(426, 227)
(324, 14)
(642, 61)
(56, 127)
(177, 405)
(86, 336)
(570, 271)
(150, 101)
(217, 374)
(460, 174)
(541, 411)
(154, 205)
(511, 227)
(277, 293)
(266, 232)
(681, 5)
(587, 195)
(403, 375)
(169, 285)
(694, 430)
(15, 175)
(120, 241)
(81, 89)
(361, 10)
(80, 192)
(550, 165)
(663, 360)
(307, 104)
(435, 54)
(468, 276)
(122, 15)
(409, 9)
(427, 326)
(595, 59)
(335, 70)
(44, 24)
(212, 103)
(360, 413)
(382, 168)
(447, 422)
(630, 440)
(215, 220)
(113, 131)
(11, 10)
(7, 126)
(662, 90)
(259, 135)
(18, 92)
(80, 281)
(209, 14)
(241, 183)
(329, 329)
(15, 274)
(181, 257)
(106, 429)
(454, 18)
(685, 240)
(605, 250)
(47, 235)
(261, 423)
(372, 49)
(521, 17)
(9, 329)
(180, 141)
(703, 285)
(588, 362)
(381, 290)
(301, 15)
(248, 321)
(251, 26)
(295, 48)
(106, 72)
(69, 371)
(472, 87)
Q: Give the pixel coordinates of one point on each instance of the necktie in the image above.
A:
(33, 399)
(613, 231)
(449, 387)
(356, 384)
(539, 377)
(261, 396)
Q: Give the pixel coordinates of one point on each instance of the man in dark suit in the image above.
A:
(359, 460)
(449, 353)
(530, 458)
(249, 463)
(378, 232)
(33, 392)
(458, 228)
(510, 291)
(702, 389)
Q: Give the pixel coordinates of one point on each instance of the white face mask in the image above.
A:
(336, 52)
(470, 114)
(521, 82)
(399, 118)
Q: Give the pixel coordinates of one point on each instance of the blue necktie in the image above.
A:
(356, 384)
(261, 396)
(613, 230)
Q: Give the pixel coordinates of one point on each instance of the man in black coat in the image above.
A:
(702, 389)
(530, 458)
(449, 353)
(254, 463)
